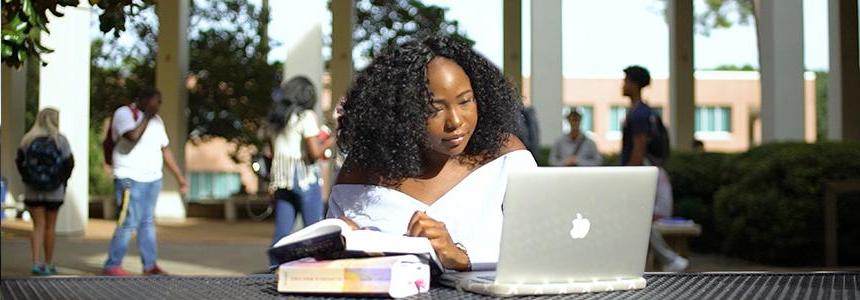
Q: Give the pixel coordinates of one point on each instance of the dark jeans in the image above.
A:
(289, 202)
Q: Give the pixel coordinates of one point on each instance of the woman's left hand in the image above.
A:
(449, 254)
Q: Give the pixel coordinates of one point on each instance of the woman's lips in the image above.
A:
(454, 141)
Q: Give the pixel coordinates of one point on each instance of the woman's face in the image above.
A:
(456, 111)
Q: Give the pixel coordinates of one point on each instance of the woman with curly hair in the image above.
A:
(428, 131)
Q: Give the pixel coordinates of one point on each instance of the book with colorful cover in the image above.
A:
(331, 239)
(387, 276)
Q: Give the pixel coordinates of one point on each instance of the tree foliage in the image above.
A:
(23, 20)
(230, 81)
(383, 23)
(725, 13)
(721, 14)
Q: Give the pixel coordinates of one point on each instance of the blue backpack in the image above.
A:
(41, 165)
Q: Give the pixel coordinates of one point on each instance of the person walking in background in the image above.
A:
(137, 157)
(296, 144)
(642, 138)
(574, 148)
(45, 162)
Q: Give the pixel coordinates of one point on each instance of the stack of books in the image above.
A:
(329, 257)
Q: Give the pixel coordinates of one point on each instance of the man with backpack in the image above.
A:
(645, 142)
(45, 162)
(137, 151)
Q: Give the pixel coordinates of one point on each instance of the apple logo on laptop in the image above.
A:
(580, 227)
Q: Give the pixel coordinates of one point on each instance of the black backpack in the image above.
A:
(41, 164)
(658, 141)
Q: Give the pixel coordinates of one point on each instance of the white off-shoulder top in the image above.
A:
(471, 210)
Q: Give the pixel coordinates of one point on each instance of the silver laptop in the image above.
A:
(570, 230)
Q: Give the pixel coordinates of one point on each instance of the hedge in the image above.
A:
(771, 208)
(766, 205)
(695, 178)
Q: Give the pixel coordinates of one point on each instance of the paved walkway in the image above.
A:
(210, 247)
(193, 247)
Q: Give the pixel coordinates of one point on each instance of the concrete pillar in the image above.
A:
(512, 21)
(14, 90)
(843, 103)
(64, 83)
(304, 54)
(780, 37)
(682, 102)
(546, 74)
(340, 66)
(171, 68)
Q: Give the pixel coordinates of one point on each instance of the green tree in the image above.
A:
(721, 14)
(230, 80)
(821, 105)
(746, 67)
(23, 20)
(382, 23)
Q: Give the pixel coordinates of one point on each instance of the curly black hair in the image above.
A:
(383, 128)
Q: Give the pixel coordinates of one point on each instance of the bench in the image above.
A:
(676, 236)
(831, 222)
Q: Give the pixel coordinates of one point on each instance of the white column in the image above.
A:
(682, 102)
(304, 44)
(171, 68)
(65, 84)
(513, 42)
(12, 110)
(546, 75)
(340, 67)
(780, 38)
(843, 91)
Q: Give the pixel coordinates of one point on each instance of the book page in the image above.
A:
(381, 242)
(317, 229)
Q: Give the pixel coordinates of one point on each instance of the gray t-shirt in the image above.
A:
(583, 147)
(58, 194)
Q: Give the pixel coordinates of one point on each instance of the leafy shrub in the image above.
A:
(696, 177)
(770, 209)
(101, 184)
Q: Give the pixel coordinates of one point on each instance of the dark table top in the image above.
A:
(824, 285)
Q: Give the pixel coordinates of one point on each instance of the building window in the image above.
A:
(213, 185)
(713, 122)
(658, 111)
(587, 122)
(616, 118)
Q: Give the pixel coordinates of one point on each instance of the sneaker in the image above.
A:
(115, 271)
(38, 270)
(155, 270)
(679, 264)
(50, 269)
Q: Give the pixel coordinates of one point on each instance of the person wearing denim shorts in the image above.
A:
(137, 159)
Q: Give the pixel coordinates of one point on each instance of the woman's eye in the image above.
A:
(436, 110)
(466, 101)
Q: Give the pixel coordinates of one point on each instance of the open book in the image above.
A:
(333, 239)
(388, 276)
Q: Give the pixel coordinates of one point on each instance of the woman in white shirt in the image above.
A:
(295, 148)
(428, 130)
